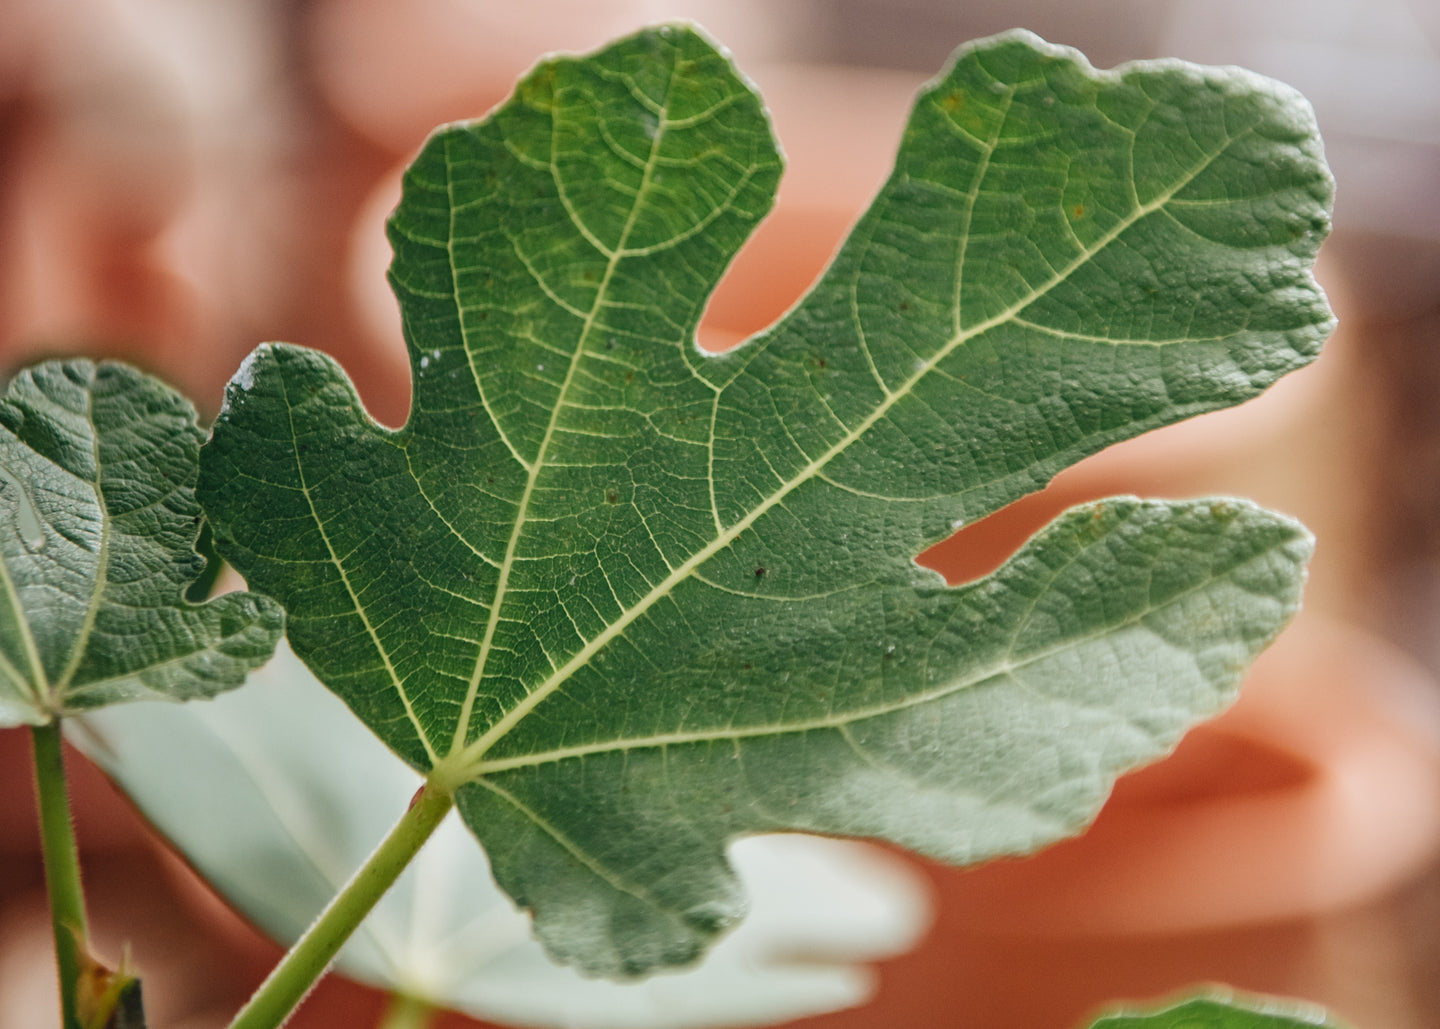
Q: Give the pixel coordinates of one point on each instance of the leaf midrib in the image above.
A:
(102, 559)
(465, 764)
(537, 465)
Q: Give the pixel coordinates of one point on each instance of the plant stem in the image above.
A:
(305, 962)
(62, 865)
(407, 1012)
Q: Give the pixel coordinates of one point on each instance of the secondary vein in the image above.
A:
(354, 597)
(1006, 665)
(571, 847)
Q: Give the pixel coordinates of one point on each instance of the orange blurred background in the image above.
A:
(181, 181)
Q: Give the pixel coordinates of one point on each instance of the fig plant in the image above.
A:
(98, 529)
(622, 601)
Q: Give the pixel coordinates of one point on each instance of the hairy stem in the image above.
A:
(287, 985)
(407, 1012)
(62, 865)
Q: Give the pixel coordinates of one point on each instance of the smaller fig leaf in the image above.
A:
(98, 526)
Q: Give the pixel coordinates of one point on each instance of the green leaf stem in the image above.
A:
(276, 795)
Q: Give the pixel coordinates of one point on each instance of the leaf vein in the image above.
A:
(462, 725)
(1006, 665)
(102, 559)
(473, 754)
(579, 853)
(339, 566)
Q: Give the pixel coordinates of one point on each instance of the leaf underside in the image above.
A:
(98, 523)
(638, 599)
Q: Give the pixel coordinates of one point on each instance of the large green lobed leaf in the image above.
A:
(98, 523)
(633, 600)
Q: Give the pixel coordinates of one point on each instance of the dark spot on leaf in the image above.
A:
(953, 101)
(629, 376)
(747, 666)
(612, 497)
(760, 572)
(904, 305)
(1079, 210)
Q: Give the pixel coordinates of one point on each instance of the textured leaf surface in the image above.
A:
(98, 522)
(276, 794)
(636, 600)
(1224, 1012)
